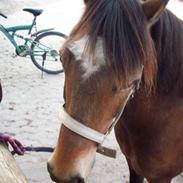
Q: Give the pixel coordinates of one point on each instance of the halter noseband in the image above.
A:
(79, 128)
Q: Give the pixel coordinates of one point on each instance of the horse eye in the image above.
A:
(114, 88)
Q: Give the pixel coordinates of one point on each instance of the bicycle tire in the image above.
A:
(35, 58)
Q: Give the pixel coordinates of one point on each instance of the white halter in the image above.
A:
(84, 131)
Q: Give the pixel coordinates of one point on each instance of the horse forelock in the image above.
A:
(127, 43)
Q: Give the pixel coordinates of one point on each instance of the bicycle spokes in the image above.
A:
(45, 48)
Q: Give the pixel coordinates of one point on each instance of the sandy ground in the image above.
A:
(30, 106)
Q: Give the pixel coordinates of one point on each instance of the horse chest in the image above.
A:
(151, 128)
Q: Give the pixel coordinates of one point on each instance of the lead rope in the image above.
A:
(35, 149)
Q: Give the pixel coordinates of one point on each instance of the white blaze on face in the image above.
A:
(89, 65)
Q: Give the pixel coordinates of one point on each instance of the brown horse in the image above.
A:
(115, 45)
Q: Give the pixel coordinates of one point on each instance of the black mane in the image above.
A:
(167, 34)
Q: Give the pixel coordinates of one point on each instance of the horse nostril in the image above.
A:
(78, 180)
(81, 181)
(49, 168)
(73, 180)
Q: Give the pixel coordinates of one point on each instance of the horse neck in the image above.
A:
(167, 35)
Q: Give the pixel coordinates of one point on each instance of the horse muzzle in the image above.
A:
(76, 179)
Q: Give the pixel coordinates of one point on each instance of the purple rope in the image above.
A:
(36, 149)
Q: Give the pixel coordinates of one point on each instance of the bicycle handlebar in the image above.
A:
(3, 15)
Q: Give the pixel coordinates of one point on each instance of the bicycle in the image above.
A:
(40, 46)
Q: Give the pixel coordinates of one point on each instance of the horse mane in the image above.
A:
(167, 34)
(126, 39)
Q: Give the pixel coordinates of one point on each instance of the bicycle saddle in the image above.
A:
(35, 12)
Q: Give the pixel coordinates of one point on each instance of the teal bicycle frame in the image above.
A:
(10, 33)
(43, 54)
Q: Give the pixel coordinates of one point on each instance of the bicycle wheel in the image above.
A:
(45, 52)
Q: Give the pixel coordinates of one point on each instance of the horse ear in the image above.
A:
(153, 9)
